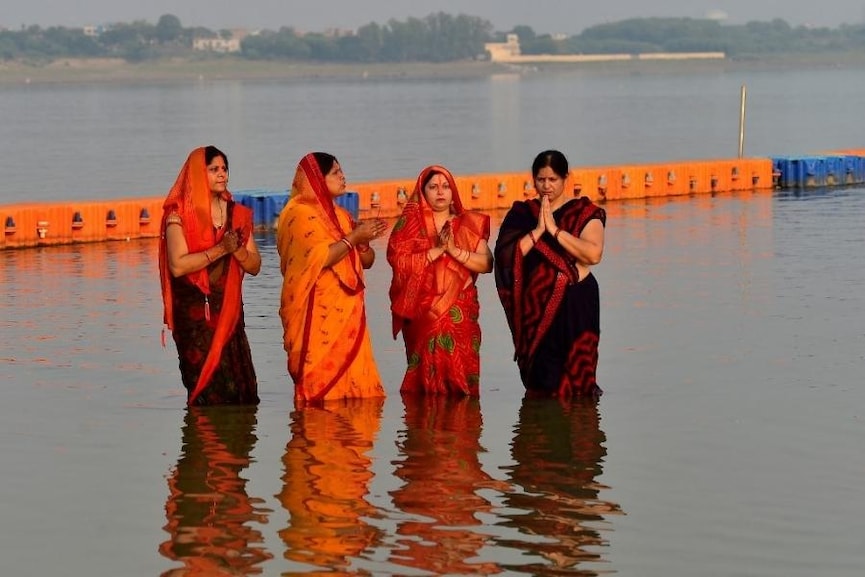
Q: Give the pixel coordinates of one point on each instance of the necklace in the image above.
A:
(221, 215)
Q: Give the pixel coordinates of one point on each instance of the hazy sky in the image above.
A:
(545, 16)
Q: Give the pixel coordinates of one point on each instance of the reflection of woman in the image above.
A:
(326, 481)
(437, 249)
(206, 248)
(208, 510)
(322, 255)
(442, 479)
(544, 254)
(558, 450)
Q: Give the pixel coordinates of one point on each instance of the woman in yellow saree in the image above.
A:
(323, 253)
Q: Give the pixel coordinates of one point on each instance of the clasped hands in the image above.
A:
(546, 222)
(448, 244)
(367, 230)
(231, 241)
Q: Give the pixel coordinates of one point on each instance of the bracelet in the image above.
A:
(347, 243)
(363, 248)
(556, 236)
(532, 236)
(207, 256)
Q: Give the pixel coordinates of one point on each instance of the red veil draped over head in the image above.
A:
(436, 300)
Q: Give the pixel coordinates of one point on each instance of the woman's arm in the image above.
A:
(180, 260)
(248, 257)
(362, 234)
(478, 261)
(588, 247)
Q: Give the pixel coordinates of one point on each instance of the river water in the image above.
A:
(728, 440)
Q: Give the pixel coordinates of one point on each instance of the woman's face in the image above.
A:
(548, 183)
(335, 180)
(438, 193)
(217, 175)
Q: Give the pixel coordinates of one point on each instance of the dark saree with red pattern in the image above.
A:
(204, 309)
(233, 381)
(553, 314)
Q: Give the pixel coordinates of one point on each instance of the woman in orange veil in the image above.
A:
(436, 250)
(323, 254)
(206, 247)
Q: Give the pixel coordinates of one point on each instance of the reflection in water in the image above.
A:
(326, 482)
(558, 450)
(208, 510)
(442, 476)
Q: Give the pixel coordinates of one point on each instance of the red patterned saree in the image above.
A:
(435, 304)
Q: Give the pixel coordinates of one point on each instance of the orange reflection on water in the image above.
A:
(441, 478)
(326, 483)
(558, 449)
(208, 510)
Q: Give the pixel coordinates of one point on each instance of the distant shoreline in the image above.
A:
(101, 70)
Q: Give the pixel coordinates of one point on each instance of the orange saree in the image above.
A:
(323, 314)
(435, 304)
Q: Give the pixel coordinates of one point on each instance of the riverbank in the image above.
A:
(115, 70)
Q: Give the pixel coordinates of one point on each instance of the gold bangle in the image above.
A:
(207, 256)
(347, 243)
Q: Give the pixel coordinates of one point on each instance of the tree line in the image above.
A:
(439, 37)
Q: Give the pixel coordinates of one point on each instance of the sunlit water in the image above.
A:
(728, 440)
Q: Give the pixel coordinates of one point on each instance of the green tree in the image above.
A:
(168, 29)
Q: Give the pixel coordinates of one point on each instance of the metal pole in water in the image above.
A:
(742, 122)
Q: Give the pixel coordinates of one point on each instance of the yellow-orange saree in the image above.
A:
(323, 314)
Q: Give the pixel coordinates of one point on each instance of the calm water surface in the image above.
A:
(109, 141)
(728, 441)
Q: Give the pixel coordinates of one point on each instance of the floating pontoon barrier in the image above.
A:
(835, 169)
(34, 224)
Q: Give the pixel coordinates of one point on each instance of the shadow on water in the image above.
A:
(558, 449)
(327, 472)
(440, 500)
(208, 510)
(445, 514)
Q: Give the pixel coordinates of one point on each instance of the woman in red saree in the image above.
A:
(323, 253)
(206, 246)
(544, 254)
(436, 250)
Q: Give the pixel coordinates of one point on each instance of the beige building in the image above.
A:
(508, 52)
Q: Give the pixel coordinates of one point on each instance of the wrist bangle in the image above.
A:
(362, 248)
(347, 243)
(207, 256)
(556, 236)
(532, 236)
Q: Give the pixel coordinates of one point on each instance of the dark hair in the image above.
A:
(211, 152)
(429, 177)
(552, 159)
(325, 161)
